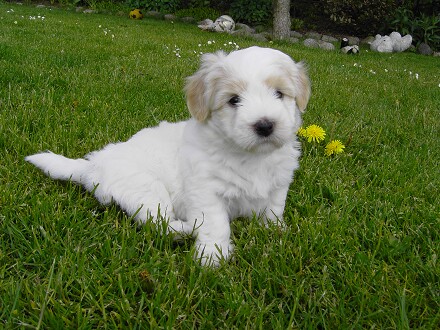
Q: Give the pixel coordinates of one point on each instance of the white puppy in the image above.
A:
(235, 157)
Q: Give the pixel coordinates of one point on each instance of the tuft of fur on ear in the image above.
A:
(304, 88)
(200, 86)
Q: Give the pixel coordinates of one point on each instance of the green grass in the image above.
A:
(362, 246)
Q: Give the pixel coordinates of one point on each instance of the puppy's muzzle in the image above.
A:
(264, 127)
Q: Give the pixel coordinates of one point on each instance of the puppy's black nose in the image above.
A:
(264, 127)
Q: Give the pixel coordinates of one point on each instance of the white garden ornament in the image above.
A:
(224, 23)
(392, 43)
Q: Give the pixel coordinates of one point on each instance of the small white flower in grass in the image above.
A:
(209, 42)
(200, 45)
(15, 22)
(417, 76)
(386, 70)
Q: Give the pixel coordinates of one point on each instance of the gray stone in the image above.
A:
(424, 49)
(312, 43)
(242, 33)
(436, 54)
(153, 13)
(328, 38)
(260, 37)
(188, 19)
(89, 11)
(326, 45)
(293, 40)
(353, 41)
(295, 34)
(169, 17)
(247, 28)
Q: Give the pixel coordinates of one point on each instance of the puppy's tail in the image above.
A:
(59, 167)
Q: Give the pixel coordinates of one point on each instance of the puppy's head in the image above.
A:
(253, 97)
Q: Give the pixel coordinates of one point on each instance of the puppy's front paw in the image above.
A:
(211, 253)
(275, 221)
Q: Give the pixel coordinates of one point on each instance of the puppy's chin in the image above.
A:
(264, 147)
(258, 144)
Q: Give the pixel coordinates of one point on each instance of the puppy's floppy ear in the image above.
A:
(302, 82)
(200, 86)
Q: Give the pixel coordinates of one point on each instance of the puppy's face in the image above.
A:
(252, 97)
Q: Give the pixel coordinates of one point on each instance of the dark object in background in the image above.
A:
(347, 49)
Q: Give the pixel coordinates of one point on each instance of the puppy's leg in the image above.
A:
(212, 231)
(140, 196)
(273, 212)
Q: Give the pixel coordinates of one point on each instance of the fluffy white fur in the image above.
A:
(234, 157)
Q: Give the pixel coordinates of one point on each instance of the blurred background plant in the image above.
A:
(162, 6)
(420, 18)
(403, 21)
(199, 13)
(258, 12)
(427, 30)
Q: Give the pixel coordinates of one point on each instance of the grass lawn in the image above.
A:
(363, 242)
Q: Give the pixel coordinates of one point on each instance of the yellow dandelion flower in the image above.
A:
(314, 133)
(301, 132)
(334, 147)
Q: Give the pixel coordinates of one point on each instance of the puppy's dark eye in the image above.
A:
(279, 94)
(234, 101)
